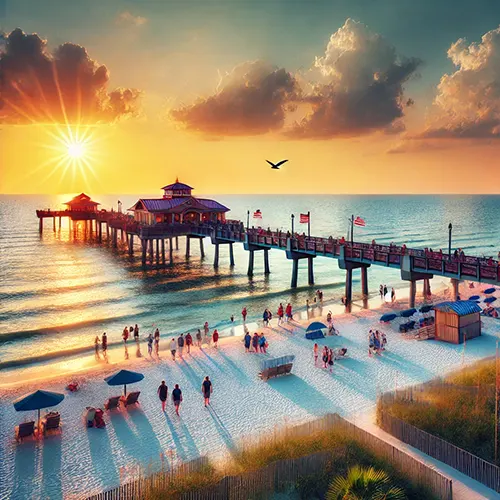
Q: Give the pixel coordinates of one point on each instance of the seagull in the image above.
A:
(276, 165)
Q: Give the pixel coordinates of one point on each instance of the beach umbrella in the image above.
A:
(38, 400)
(474, 297)
(387, 317)
(490, 290)
(407, 313)
(489, 300)
(315, 327)
(124, 377)
(426, 309)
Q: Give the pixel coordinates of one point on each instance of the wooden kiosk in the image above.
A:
(457, 321)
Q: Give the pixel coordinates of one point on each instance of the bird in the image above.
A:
(276, 165)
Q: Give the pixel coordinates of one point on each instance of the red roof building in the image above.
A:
(178, 205)
(82, 203)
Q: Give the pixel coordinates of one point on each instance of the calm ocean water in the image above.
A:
(56, 293)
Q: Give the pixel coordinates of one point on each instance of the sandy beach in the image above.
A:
(81, 461)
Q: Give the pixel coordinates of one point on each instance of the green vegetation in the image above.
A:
(460, 409)
(345, 455)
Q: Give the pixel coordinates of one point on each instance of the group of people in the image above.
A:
(376, 342)
(255, 343)
(383, 290)
(327, 357)
(206, 391)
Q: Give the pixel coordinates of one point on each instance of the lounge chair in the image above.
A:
(112, 403)
(51, 422)
(131, 399)
(25, 429)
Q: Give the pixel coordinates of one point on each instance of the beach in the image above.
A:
(80, 461)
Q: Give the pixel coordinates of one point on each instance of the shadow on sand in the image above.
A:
(187, 450)
(52, 461)
(221, 429)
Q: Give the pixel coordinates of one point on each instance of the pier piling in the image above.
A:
(54, 224)
(144, 251)
(454, 284)
(364, 281)
(413, 292)
(216, 256)
(231, 255)
(310, 270)
(170, 250)
(251, 258)
(131, 245)
(157, 251)
(348, 286)
(202, 249)
(163, 250)
(188, 245)
(177, 243)
(267, 270)
(295, 273)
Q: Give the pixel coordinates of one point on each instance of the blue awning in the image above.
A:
(462, 307)
(38, 400)
(316, 326)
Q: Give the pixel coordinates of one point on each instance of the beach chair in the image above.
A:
(25, 429)
(52, 421)
(112, 403)
(131, 399)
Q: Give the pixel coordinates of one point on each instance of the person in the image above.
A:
(215, 338)
(255, 342)
(150, 345)
(393, 295)
(324, 356)
(262, 343)
(177, 397)
(104, 343)
(384, 340)
(247, 339)
(125, 335)
(244, 314)
(162, 394)
(329, 317)
(198, 338)
(315, 354)
(280, 314)
(180, 344)
(96, 345)
(205, 327)
(385, 290)
(189, 342)
(208, 337)
(376, 342)
(136, 333)
(173, 348)
(371, 343)
(331, 357)
(265, 316)
(307, 304)
(381, 291)
(206, 390)
(269, 316)
(157, 341)
(232, 318)
(289, 314)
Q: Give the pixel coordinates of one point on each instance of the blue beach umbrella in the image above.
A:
(407, 313)
(315, 327)
(387, 317)
(490, 290)
(489, 300)
(426, 309)
(38, 400)
(474, 297)
(124, 377)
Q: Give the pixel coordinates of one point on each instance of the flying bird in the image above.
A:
(276, 165)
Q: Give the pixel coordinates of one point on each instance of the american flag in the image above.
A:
(358, 221)
(304, 218)
(257, 214)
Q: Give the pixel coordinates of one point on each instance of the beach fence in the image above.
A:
(280, 475)
(465, 462)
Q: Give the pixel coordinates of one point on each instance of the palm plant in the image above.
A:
(364, 484)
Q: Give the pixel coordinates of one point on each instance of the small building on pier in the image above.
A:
(178, 205)
(457, 322)
(81, 203)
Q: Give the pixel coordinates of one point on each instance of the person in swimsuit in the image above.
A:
(96, 344)
(104, 343)
(248, 341)
(150, 345)
(162, 394)
(125, 335)
(331, 357)
(157, 341)
(173, 348)
(189, 342)
(215, 338)
(206, 390)
(315, 354)
(198, 338)
(136, 333)
(255, 342)
(177, 397)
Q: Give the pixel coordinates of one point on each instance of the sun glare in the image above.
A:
(75, 150)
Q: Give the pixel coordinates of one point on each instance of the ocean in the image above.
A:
(57, 292)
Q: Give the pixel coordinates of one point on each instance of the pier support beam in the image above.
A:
(144, 245)
(130, 245)
(295, 273)
(107, 231)
(188, 246)
(157, 251)
(348, 286)
(231, 255)
(455, 293)
(60, 222)
(216, 256)
(310, 271)
(40, 225)
(177, 243)
(251, 258)
(54, 224)
(267, 269)
(163, 250)
(115, 237)
(150, 251)
(364, 281)
(171, 250)
(202, 249)
(413, 292)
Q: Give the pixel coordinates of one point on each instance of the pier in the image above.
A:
(157, 230)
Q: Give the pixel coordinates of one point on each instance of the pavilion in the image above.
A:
(82, 203)
(178, 205)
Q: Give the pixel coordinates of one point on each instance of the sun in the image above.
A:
(76, 150)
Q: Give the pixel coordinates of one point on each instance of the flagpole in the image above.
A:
(248, 219)
(293, 216)
(309, 224)
(352, 230)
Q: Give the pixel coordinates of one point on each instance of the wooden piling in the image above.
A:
(171, 250)
(131, 245)
(231, 255)
(267, 269)
(364, 281)
(413, 292)
(151, 251)
(348, 286)
(295, 273)
(188, 245)
(54, 224)
(40, 225)
(202, 250)
(157, 251)
(177, 243)
(310, 270)
(216, 256)
(144, 251)
(163, 250)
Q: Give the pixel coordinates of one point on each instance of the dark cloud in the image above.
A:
(251, 100)
(362, 87)
(65, 86)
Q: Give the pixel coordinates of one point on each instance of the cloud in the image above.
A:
(357, 86)
(467, 104)
(414, 146)
(250, 100)
(63, 86)
(128, 18)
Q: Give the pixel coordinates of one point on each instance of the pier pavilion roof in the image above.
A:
(177, 205)
(80, 201)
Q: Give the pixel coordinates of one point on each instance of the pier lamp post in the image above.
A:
(293, 217)
(248, 219)
(450, 227)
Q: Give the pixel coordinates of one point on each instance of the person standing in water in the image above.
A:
(157, 341)
(247, 339)
(96, 346)
(381, 291)
(136, 333)
(393, 295)
(244, 314)
(104, 343)
(255, 342)
(180, 344)
(163, 394)
(125, 335)
(198, 338)
(215, 338)
(206, 390)
(315, 354)
(177, 397)
(150, 345)
(189, 342)
(173, 348)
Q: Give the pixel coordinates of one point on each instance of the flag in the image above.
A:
(358, 221)
(257, 214)
(304, 218)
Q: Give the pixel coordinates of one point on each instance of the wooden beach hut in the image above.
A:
(457, 321)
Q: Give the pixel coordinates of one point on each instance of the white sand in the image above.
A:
(81, 461)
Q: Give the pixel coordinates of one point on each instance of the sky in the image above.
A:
(361, 96)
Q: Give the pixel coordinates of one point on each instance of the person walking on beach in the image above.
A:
(208, 337)
(385, 290)
(198, 338)
(262, 343)
(206, 390)
(125, 335)
(177, 397)
(381, 291)
(247, 339)
(189, 342)
(215, 338)
(150, 345)
(324, 356)
(104, 343)
(280, 314)
(173, 348)
(180, 344)
(136, 333)
(289, 315)
(315, 354)
(96, 346)
(265, 317)
(393, 295)
(255, 342)
(244, 314)
(157, 341)
(331, 357)
(163, 394)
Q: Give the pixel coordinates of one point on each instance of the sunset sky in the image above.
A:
(362, 96)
